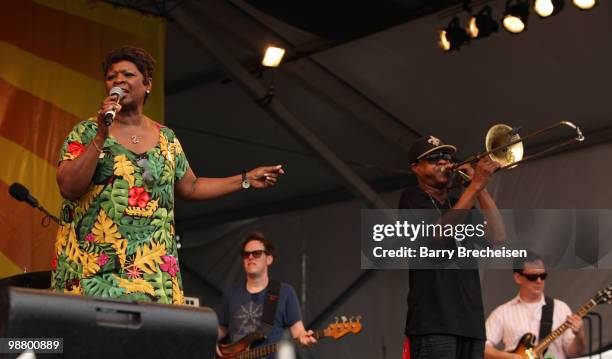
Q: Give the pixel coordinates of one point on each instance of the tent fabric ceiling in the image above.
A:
(235, 125)
(530, 80)
(345, 20)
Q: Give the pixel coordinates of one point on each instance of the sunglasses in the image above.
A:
(147, 174)
(534, 277)
(256, 253)
(435, 157)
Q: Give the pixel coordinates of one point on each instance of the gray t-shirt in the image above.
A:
(241, 312)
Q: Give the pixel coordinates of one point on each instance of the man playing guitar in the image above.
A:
(244, 304)
(509, 322)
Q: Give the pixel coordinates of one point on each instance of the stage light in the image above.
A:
(273, 56)
(585, 4)
(271, 60)
(482, 24)
(452, 37)
(515, 16)
(546, 8)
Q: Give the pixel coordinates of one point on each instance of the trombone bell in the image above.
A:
(500, 136)
(505, 146)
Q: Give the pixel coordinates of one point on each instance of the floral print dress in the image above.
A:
(117, 240)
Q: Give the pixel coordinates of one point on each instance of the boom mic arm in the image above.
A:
(21, 193)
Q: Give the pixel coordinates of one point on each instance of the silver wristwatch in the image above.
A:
(245, 181)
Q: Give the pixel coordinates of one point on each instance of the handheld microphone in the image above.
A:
(109, 115)
(20, 193)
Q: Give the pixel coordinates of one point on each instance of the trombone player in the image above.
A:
(445, 313)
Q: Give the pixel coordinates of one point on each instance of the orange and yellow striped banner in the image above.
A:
(51, 54)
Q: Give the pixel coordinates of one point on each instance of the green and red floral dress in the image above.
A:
(117, 240)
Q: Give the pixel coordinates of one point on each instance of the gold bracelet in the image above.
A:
(96, 146)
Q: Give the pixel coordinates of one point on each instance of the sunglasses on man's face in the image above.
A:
(435, 157)
(534, 277)
(256, 253)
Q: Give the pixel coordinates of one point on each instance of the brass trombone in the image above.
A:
(505, 146)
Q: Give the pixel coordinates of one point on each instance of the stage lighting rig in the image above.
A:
(452, 37)
(585, 4)
(516, 15)
(546, 8)
(271, 60)
(482, 24)
(273, 56)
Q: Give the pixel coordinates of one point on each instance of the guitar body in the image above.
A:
(242, 345)
(527, 347)
(524, 348)
(242, 348)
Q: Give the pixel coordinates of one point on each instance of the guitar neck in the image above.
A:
(544, 343)
(265, 350)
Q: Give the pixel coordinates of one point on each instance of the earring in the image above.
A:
(148, 91)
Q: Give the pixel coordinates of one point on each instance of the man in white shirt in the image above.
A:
(510, 321)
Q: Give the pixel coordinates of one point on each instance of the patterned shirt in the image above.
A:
(117, 240)
(510, 321)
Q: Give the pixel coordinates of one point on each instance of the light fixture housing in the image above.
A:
(482, 24)
(273, 56)
(547, 8)
(452, 37)
(515, 16)
(585, 4)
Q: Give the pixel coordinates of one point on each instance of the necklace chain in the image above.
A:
(450, 206)
(135, 139)
(436, 206)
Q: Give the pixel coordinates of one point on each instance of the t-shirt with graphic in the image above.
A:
(117, 240)
(241, 312)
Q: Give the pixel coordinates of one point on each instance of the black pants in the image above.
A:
(437, 346)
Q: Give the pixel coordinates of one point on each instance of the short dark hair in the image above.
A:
(139, 57)
(258, 236)
(519, 262)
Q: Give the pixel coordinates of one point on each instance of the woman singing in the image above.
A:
(116, 236)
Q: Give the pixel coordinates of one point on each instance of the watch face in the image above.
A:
(246, 184)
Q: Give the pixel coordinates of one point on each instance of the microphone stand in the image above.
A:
(46, 221)
(21, 194)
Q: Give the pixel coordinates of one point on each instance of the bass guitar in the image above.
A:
(242, 348)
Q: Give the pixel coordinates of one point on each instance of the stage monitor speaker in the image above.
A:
(37, 280)
(104, 328)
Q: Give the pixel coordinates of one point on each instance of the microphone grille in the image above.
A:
(116, 91)
(18, 191)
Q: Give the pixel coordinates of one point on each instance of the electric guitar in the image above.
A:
(527, 348)
(242, 348)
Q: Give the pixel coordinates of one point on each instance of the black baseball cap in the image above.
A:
(426, 145)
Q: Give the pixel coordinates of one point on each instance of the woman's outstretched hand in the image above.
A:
(264, 177)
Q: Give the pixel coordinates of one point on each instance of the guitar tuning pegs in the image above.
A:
(337, 320)
(343, 319)
(358, 318)
(351, 319)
